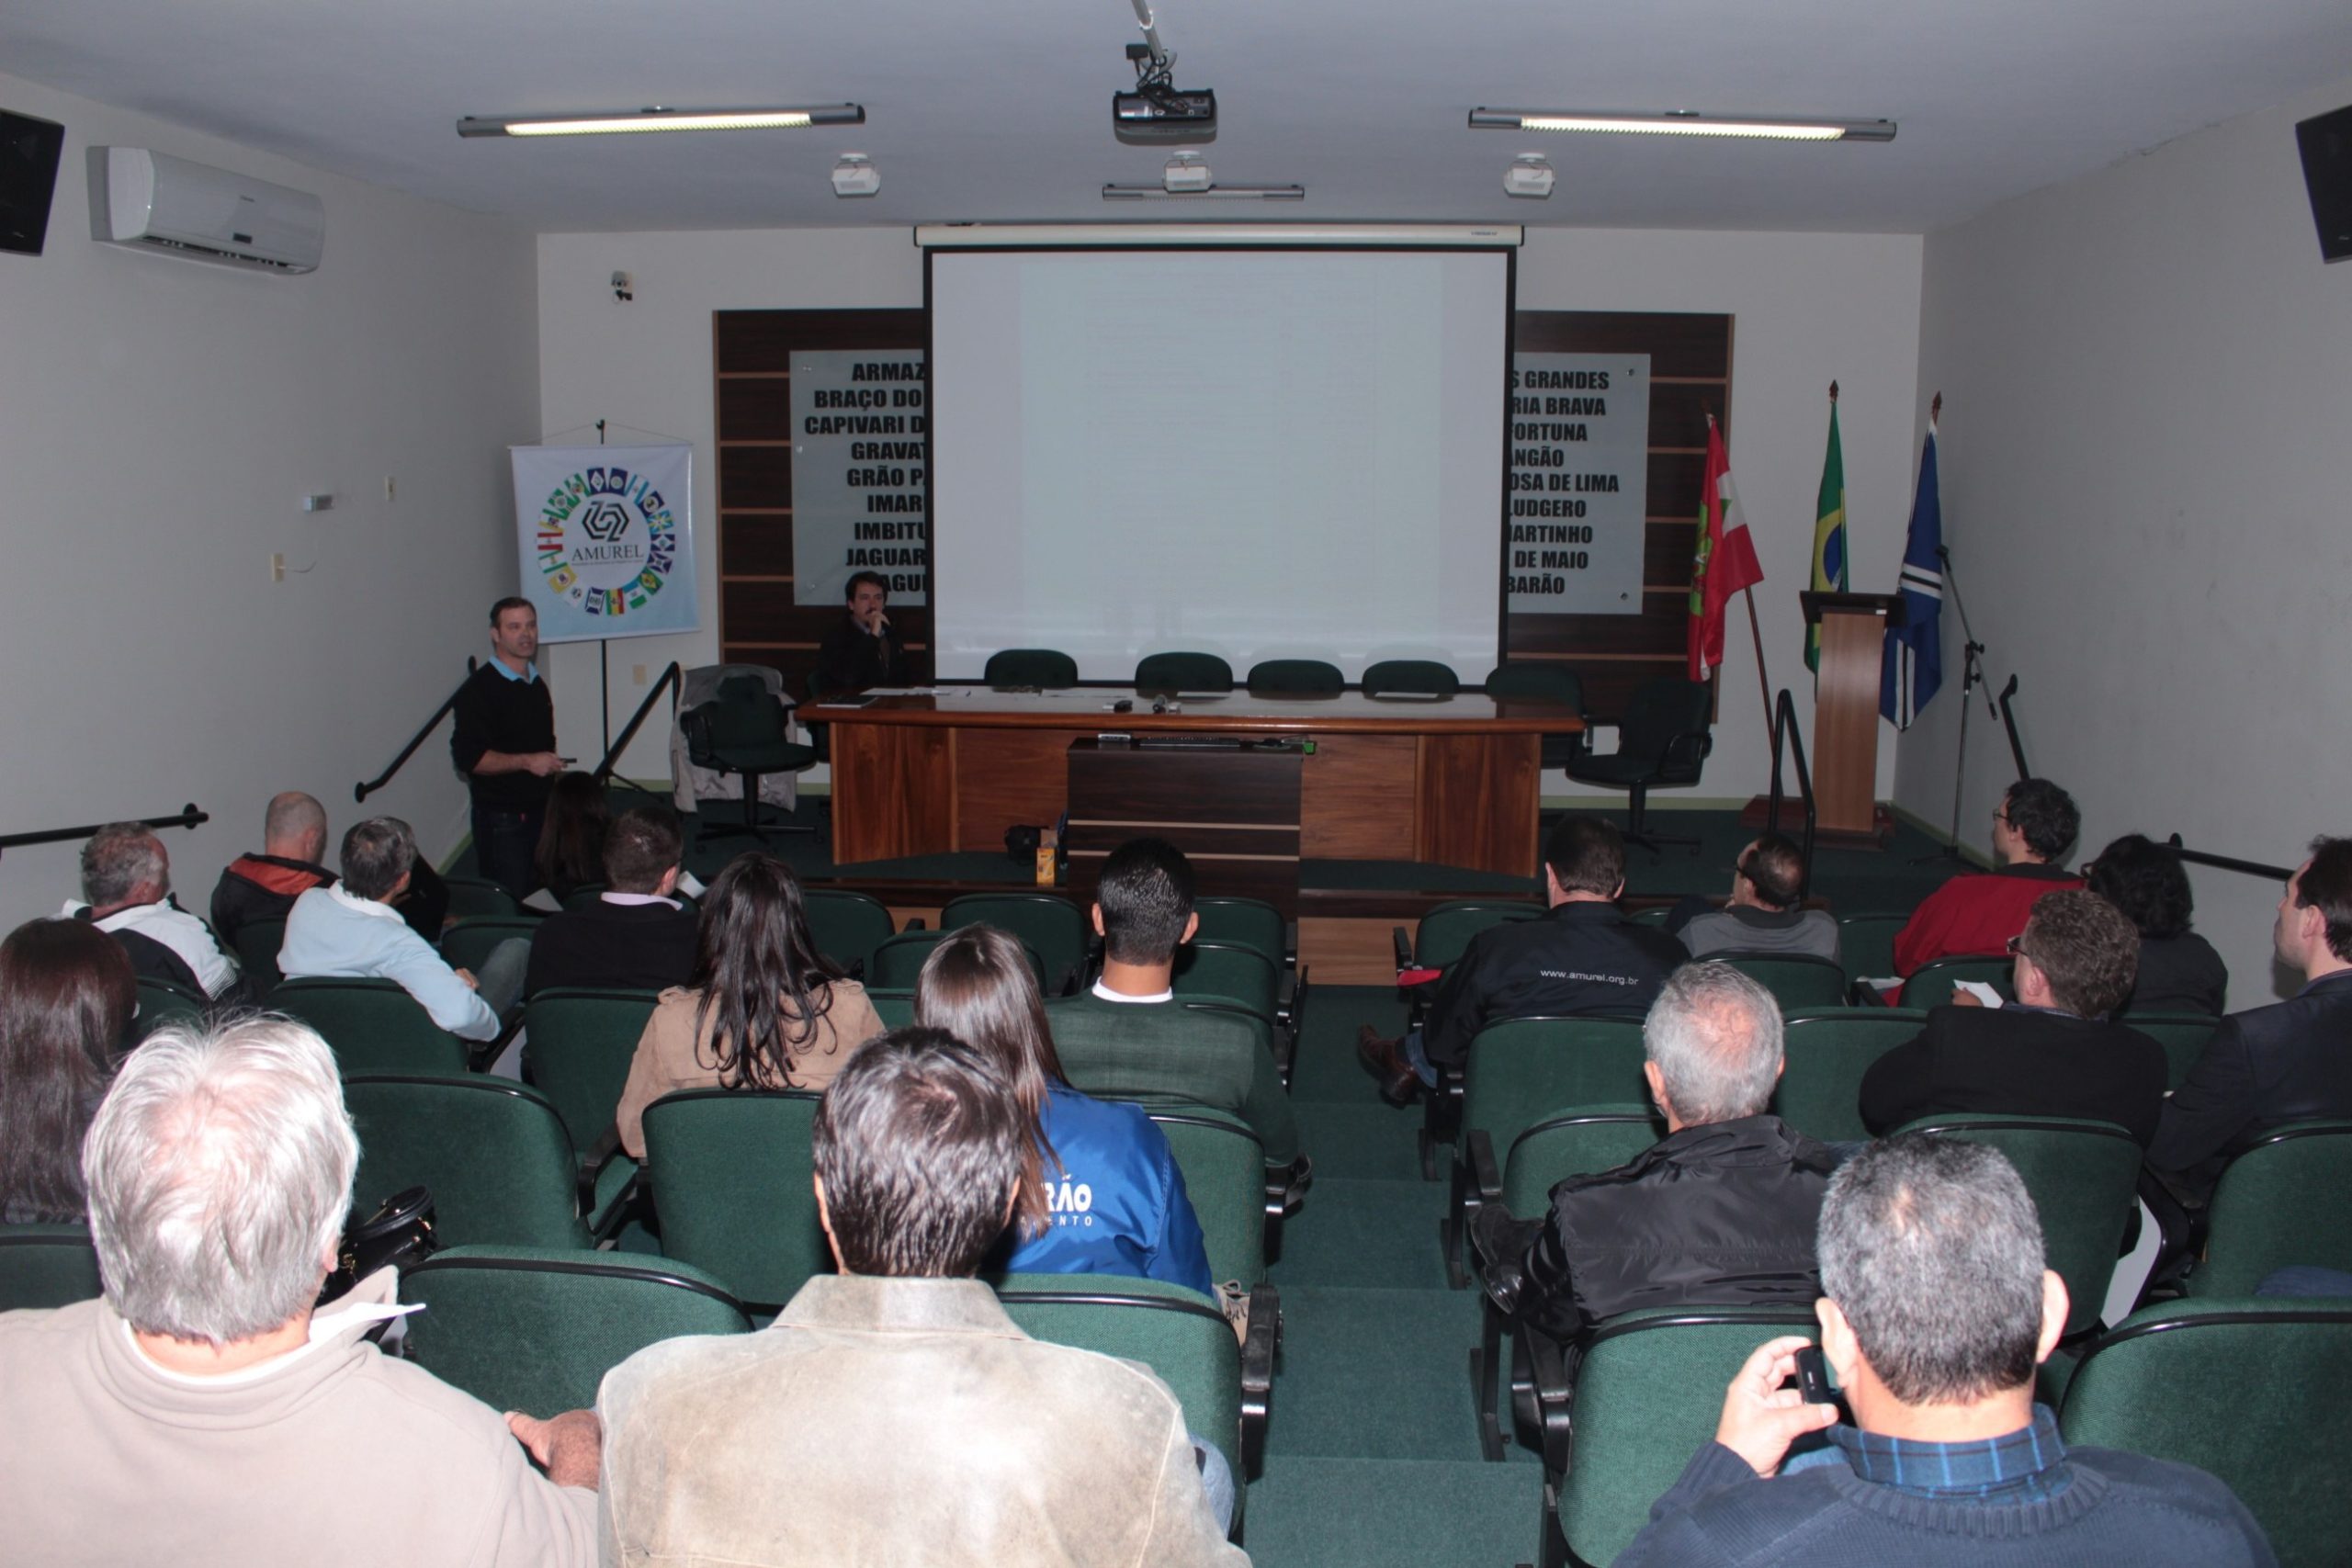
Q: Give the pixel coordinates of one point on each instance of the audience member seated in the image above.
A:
(2279, 1064)
(66, 995)
(763, 1008)
(1099, 1191)
(1977, 912)
(1583, 956)
(570, 852)
(294, 845)
(2179, 971)
(127, 885)
(202, 1412)
(351, 931)
(2053, 1052)
(1761, 916)
(1128, 1039)
(1721, 1212)
(948, 1436)
(637, 936)
(1936, 1309)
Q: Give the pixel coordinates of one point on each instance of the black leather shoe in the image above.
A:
(1384, 1060)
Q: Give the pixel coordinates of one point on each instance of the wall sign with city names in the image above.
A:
(1579, 483)
(860, 435)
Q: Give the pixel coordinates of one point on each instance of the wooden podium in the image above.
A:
(1845, 707)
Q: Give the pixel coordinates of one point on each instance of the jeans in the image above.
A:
(499, 983)
(506, 842)
(1217, 1479)
(1418, 1055)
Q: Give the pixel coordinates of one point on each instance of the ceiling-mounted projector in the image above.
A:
(1156, 111)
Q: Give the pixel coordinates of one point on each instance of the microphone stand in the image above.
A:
(1971, 675)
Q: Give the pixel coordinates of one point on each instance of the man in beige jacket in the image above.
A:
(200, 1413)
(893, 1414)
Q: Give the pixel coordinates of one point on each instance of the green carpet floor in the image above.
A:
(1372, 1456)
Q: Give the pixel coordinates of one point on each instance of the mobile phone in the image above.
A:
(1813, 1377)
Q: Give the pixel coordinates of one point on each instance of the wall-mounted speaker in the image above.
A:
(28, 150)
(2325, 142)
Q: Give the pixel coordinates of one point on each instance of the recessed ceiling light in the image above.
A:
(659, 118)
(1684, 123)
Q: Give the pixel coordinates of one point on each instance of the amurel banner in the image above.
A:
(860, 433)
(607, 539)
(1579, 483)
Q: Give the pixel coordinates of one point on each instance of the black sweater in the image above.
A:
(495, 714)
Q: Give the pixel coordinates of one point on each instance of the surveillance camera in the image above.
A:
(622, 289)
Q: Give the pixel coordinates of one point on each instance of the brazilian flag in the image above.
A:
(1828, 534)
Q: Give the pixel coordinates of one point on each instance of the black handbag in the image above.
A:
(399, 1234)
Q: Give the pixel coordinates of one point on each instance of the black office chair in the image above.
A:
(743, 730)
(1030, 667)
(1412, 677)
(1662, 739)
(1547, 683)
(1183, 672)
(1296, 678)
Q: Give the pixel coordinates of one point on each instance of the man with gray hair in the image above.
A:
(1719, 1213)
(202, 1412)
(351, 931)
(1936, 1309)
(127, 882)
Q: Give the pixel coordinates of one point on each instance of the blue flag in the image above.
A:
(1912, 666)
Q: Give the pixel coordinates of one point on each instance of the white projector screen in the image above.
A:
(1262, 455)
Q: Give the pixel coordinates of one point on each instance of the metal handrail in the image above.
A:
(1784, 729)
(361, 791)
(188, 816)
(2010, 723)
(2251, 867)
(670, 678)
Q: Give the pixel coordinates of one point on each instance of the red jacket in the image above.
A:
(1977, 913)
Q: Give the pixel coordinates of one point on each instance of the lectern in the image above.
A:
(1845, 707)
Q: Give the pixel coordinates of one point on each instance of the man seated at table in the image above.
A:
(637, 936)
(1129, 1038)
(860, 649)
(2053, 1052)
(1583, 956)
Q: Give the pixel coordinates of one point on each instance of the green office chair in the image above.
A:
(1796, 979)
(1225, 1176)
(1030, 667)
(729, 1174)
(475, 896)
(1828, 1051)
(1296, 678)
(2251, 1392)
(847, 927)
(1932, 983)
(2184, 1036)
(164, 1002)
(895, 1009)
(535, 1330)
(1544, 682)
(1866, 944)
(46, 1265)
(1662, 740)
(579, 1045)
(372, 1026)
(1232, 971)
(1523, 1070)
(2083, 1178)
(257, 941)
(468, 944)
(1410, 677)
(1248, 922)
(897, 962)
(493, 1154)
(2286, 1200)
(587, 896)
(1054, 929)
(1175, 673)
(744, 730)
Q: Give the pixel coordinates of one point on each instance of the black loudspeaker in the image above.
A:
(28, 150)
(2325, 142)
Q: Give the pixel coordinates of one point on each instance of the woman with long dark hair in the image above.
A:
(66, 994)
(1099, 1191)
(2179, 971)
(764, 1008)
(570, 855)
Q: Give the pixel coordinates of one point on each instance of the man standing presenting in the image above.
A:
(503, 743)
(860, 651)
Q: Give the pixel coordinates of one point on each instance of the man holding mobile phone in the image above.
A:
(861, 649)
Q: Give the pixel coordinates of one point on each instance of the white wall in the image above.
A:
(2144, 445)
(1811, 309)
(162, 420)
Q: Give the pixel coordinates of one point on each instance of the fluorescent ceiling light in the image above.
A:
(1684, 123)
(1245, 193)
(1099, 236)
(659, 118)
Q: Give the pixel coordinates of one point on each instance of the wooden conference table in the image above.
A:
(1448, 779)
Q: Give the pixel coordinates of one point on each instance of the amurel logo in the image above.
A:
(607, 541)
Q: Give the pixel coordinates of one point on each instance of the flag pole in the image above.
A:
(1763, 682)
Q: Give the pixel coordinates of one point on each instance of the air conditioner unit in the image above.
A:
(155, 201)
